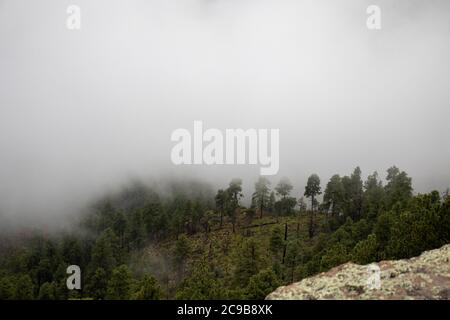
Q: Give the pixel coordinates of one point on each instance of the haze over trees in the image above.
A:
(196, 243)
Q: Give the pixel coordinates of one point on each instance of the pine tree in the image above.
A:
(201, 284)
(148, 289)
(234, 192)
(271, 203)
(276, 241)
(333, 197)
(261, 284)
(136, 230)
(286, 204)
(366, 250)
(6, 287)
(23, 289)
(353, 192)
(181, 253)
(119, 286)
(301, 204)
(47, 291)
(312, 189)
(103, 252)
(249, 262)
(98, 284)
(374, 196)
(293, 258)
(221, 199)
(398, 189)
(119, 225)
(261, 194)
(182, 249)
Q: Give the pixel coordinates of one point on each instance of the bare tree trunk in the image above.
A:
(285, 242)
(311, 225)
(261, 208)
(285, 231)
(311, 219)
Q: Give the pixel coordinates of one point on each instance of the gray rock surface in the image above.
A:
(423, 277)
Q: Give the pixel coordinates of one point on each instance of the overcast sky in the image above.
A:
(83, 111)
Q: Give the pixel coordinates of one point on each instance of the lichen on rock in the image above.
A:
(423, 277)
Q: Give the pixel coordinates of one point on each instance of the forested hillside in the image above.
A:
(191, 242)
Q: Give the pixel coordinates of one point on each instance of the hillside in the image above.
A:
(423, 277)
(185, 243)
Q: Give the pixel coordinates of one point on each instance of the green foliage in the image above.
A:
(444, 221)
(301, 204)
(285, 206)
(333, 198)
(47, 291)
(374, 196)
(353, 193)
(360, 230)
(182, 249)
(334, 256)
(366, 250)
(261, 284)
(23, 288)
(398, 189)
(234, 194)
(6, 287)
(98, 284)
(72, 250)
(271, 203)
(293, 258)
(148, 289)
(103, 252)
(261, 194)
(119, 226)
(284, 187)
(201, 284)
(416, 229)
(382, 230)
(221, 201)
(249, 263)
(312, 188)
(235, 191)
(155, 219)
(119, 286)
(276, 241)
(210, 247)
(136, 230)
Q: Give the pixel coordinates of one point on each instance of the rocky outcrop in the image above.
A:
(423, 277)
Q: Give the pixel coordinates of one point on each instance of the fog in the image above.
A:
(84, 111)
